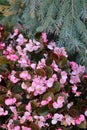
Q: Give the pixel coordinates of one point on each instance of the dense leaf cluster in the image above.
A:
(40, 89)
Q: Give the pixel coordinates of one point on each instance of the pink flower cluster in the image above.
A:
(10, 54)
(2, 112)
(77, 71)
(59, 103)
(79, 119)
(10, 101)
(38, 91)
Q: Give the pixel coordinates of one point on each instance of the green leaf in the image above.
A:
(2, 98)
(43, 110)
(4, 60)
(49, 94)
(34, 126)
(62, 62)
(9, 85)
(82, 125)
(48, 61)
(56, 86)
(40, 72)
(49, 71)
(17, 89)
(34, 104)
(53, 56)
(21, 108)
(67, 88)
(16, 122)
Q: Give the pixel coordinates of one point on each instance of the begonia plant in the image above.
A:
(40, 89)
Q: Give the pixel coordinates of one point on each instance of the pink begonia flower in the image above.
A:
(24, 61)
(19, 49)
(74, 79)
(2, 45)
(51, 45)
(79, 119)
(26, 128)
(10, 101)
(63, 77)
(9, 93)
(59, 103)
(85, 113)
(29, 108)
(12, 57)
(60, 51)
(25, 75)
(0, 78)
(13, 109)
(73, 64)
(3, 126)
(21, 40)
(48, 116)
(55, 66)
(69, 120)
(17, 128)
(10, 125)
(41, 63)
(33, 66)
(24, 86)
(2, 112)
(38, 86)
(12, 77)
(74, 88)
(18, 104)
(33, 45)
(16, 31)
(57, 117)
(69, 105)
(36, 42)
(46, 101)
(65, 94)
(85, 76)
(10, 50)
(50, 81)
(44, 37)
(77, 69)
(77, 94)
(40, 120)
(26, 117)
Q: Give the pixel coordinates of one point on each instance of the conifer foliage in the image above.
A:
(65, 20)
(4, 6)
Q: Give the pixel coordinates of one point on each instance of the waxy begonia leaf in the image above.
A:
(17, 89)
(62, 62)
(48, 94)
(56, 87)
(40, 72)
(48, 61)
(53, 56)
(43, 110)
(4, 60)
(2, 98)
(34, 104)
(49, 71)
(83, 125)
(16, 122)
(34, 126)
